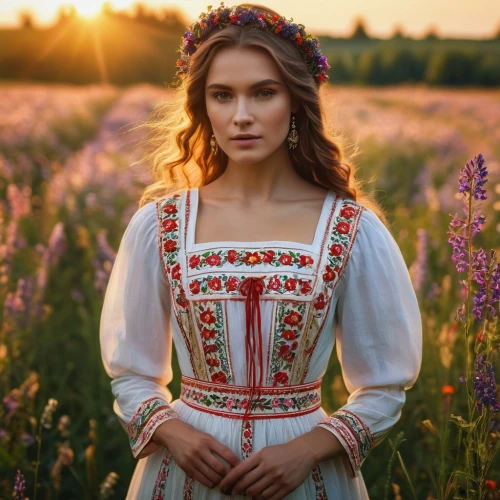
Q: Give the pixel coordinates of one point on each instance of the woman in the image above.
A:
(254, 273)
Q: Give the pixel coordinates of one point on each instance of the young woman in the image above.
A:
(266, 256)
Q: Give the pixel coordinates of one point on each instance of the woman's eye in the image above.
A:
(219, 96)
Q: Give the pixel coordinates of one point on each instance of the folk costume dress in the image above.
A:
(254, 325)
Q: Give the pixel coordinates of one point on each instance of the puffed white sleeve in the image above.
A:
(135, 333)
(379, 340)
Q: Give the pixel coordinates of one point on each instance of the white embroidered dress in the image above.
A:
(350, 286)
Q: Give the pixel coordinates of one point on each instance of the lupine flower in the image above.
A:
(19, 486)
(473, 177)
(485, 385)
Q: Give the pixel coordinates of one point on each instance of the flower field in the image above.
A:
(68, 190)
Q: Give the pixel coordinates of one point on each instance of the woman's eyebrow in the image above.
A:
(267, 81)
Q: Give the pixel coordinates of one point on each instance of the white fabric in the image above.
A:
(374, 316)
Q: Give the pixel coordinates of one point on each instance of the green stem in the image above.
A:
(39, 440)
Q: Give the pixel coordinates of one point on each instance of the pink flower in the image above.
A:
(288, 402)
(275, 402)
(230, 403)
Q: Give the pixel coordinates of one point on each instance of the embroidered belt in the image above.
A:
(232, 401)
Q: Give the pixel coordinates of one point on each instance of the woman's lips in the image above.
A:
(246, 142)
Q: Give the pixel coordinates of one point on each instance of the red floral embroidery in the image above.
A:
(194, 287)
(169, 225)
(176, 272)
(232, 284)
(170, 245)
(336, 249)
(232, 256)
(329, 274)
(343, 227)
(194, 261)
(348, 212)
(320, 303)
(280, 378)
(170, 209)
(208, 317)
(251, 258)
(215, 283)
(219, 378)
(293, 318)
(213, 260)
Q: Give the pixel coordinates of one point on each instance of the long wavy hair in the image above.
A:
(177, 145)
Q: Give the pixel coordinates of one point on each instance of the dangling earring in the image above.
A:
(293, 136)
(214, 145)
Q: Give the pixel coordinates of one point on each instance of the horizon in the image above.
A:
(462, 21)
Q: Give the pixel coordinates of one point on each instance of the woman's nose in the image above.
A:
(242, 114)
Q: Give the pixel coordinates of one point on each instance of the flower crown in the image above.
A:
(222, 17)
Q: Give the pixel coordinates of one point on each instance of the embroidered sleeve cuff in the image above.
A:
(353, 434)
(148, 416)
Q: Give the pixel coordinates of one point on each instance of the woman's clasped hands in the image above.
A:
(270, 473)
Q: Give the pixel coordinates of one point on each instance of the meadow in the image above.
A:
(67, 192)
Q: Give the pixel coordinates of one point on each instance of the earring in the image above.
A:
(214, 145)
(293, 136)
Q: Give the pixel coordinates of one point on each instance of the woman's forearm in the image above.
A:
(322, 444)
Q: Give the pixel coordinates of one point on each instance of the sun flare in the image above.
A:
(88, 8)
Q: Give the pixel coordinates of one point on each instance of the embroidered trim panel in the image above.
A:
(212, 327)
(167, 211)
(288, 325)
(343, 233)
(161, 478)
(227, 283)
(148, 416)
(228, 403)
(355, 435)
(274, 258)
(319, 483)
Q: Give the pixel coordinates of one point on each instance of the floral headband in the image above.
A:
(222, 17)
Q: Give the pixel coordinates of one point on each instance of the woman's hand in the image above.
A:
(193, 450)
(272, 472)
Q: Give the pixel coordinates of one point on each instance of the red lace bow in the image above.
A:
(252, 287)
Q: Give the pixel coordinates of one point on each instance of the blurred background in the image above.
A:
(413, 90)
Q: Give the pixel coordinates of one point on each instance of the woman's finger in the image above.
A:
(247, 482)
(225, 452)
(270, 492)
(215, 463)
(206, 470)
(201, 478)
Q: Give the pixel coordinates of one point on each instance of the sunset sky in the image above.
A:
(477, 19)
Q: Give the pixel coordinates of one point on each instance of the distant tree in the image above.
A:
(397, 32)
(66, 13)
(497, 35)
(488, 71)
(359, 32)
(452, 67)
(173, 19)
(402, 65)
(26, 19)
(107, 9)
(431, 33)
(370, 70)
(340, 71)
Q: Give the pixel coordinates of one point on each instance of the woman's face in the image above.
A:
(246, 94)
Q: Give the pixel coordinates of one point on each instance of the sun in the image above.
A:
(88, 8)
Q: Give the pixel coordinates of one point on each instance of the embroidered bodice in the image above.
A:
(261, 314)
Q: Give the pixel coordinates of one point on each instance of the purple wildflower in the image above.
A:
(19, 486)
(485, 385)
(473, 177)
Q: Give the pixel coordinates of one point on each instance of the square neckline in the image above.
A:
(192, 195)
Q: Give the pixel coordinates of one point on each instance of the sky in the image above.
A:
(451, 18)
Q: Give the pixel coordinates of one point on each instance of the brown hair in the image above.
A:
(180, 131)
